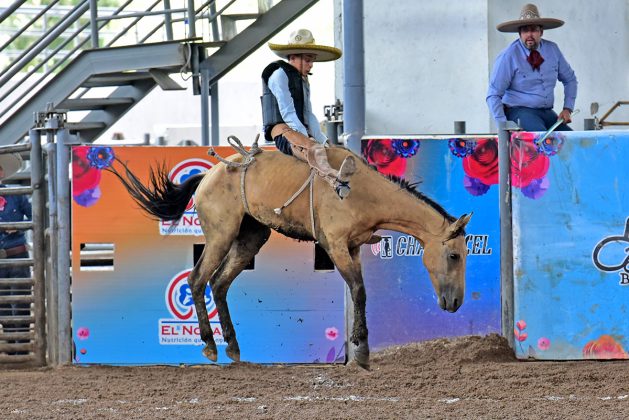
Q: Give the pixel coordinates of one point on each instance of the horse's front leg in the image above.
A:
(348, 264)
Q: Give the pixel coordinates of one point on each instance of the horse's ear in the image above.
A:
(458, 226)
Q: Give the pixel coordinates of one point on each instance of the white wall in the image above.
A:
(427, 63)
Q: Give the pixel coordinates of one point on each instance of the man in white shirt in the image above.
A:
(287, 112)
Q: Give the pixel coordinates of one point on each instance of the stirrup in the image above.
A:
(342, 189)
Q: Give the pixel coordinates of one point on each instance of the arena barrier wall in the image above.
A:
(461, 174)
(139, 310)
(571, 246)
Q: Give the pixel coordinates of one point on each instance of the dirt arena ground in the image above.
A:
(468, 377)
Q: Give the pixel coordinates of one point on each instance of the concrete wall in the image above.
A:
(427, 63)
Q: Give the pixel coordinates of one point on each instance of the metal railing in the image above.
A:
(602, 122)
(22, 299)
(86, 26)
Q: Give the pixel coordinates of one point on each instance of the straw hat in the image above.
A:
(529, 16)
(11, 163)
(302, 42)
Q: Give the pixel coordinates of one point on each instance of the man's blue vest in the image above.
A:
(270, 110)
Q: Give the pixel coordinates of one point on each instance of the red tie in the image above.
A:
(535, 59)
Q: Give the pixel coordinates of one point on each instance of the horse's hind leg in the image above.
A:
(250, 239)
(216, 248)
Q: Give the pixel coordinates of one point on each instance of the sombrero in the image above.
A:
(302, 42)
(529, 16)
(11, 163)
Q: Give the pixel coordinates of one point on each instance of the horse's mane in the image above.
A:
(411, 187)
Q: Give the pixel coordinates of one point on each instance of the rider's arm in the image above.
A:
(278, 84)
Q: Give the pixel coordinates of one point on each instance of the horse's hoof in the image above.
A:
(362, 360)
(210, 353)
(361, 356)
(232, 353)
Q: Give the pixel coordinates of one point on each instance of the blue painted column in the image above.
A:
(353, 74)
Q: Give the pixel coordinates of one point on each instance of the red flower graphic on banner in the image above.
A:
(529, 163)
(482, 164)
(84, 176)
(382, 154)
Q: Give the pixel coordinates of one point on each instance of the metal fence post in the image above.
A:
(459, 127)
(506, 230)
(51, 263)
(38, 205)
(63, 246)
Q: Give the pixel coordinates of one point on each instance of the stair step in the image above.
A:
(115, 79)
(85, 104)
(228, 23)
(80, 126)
(212, 44)
(241, 16)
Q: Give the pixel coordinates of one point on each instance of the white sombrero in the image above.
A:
(529, 16)
(302, 42)
(11, 163)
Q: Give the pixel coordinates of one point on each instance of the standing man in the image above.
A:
(13, 208)
(287, 112)
(523, 79)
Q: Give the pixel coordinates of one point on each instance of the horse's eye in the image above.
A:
(454, 257)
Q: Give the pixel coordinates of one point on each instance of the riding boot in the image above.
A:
(313, 153)
(339, 180)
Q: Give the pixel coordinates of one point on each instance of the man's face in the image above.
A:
(531, 35)
(302, 62)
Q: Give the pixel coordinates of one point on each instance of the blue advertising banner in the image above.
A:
(461, 174)
(139, 309)
(571, 246)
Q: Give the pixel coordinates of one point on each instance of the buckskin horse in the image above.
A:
(239, 200)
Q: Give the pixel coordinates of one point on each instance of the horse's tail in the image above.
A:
(162, 198)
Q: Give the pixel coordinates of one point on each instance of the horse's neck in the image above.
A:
(401, 211)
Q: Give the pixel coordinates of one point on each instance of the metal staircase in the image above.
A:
(97, 86)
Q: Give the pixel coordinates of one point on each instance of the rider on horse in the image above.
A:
(287, 112)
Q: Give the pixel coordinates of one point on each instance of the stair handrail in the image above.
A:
(21, 72)
(28, 24)
(158, 26)
(44, 61)
(12, 8)
(27, 55)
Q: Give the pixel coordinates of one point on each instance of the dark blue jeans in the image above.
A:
(534, 119)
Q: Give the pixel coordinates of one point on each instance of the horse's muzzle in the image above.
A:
(450, 300)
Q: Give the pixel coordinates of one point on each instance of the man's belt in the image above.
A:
(9, 252)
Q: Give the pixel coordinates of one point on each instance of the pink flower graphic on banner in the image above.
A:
(543, 343)
(331, 333)
(83, 333)
(521, 325)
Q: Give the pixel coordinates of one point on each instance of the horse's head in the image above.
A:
(444, 258)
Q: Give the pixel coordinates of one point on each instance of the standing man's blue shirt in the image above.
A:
(514, 83)
(16, 208)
